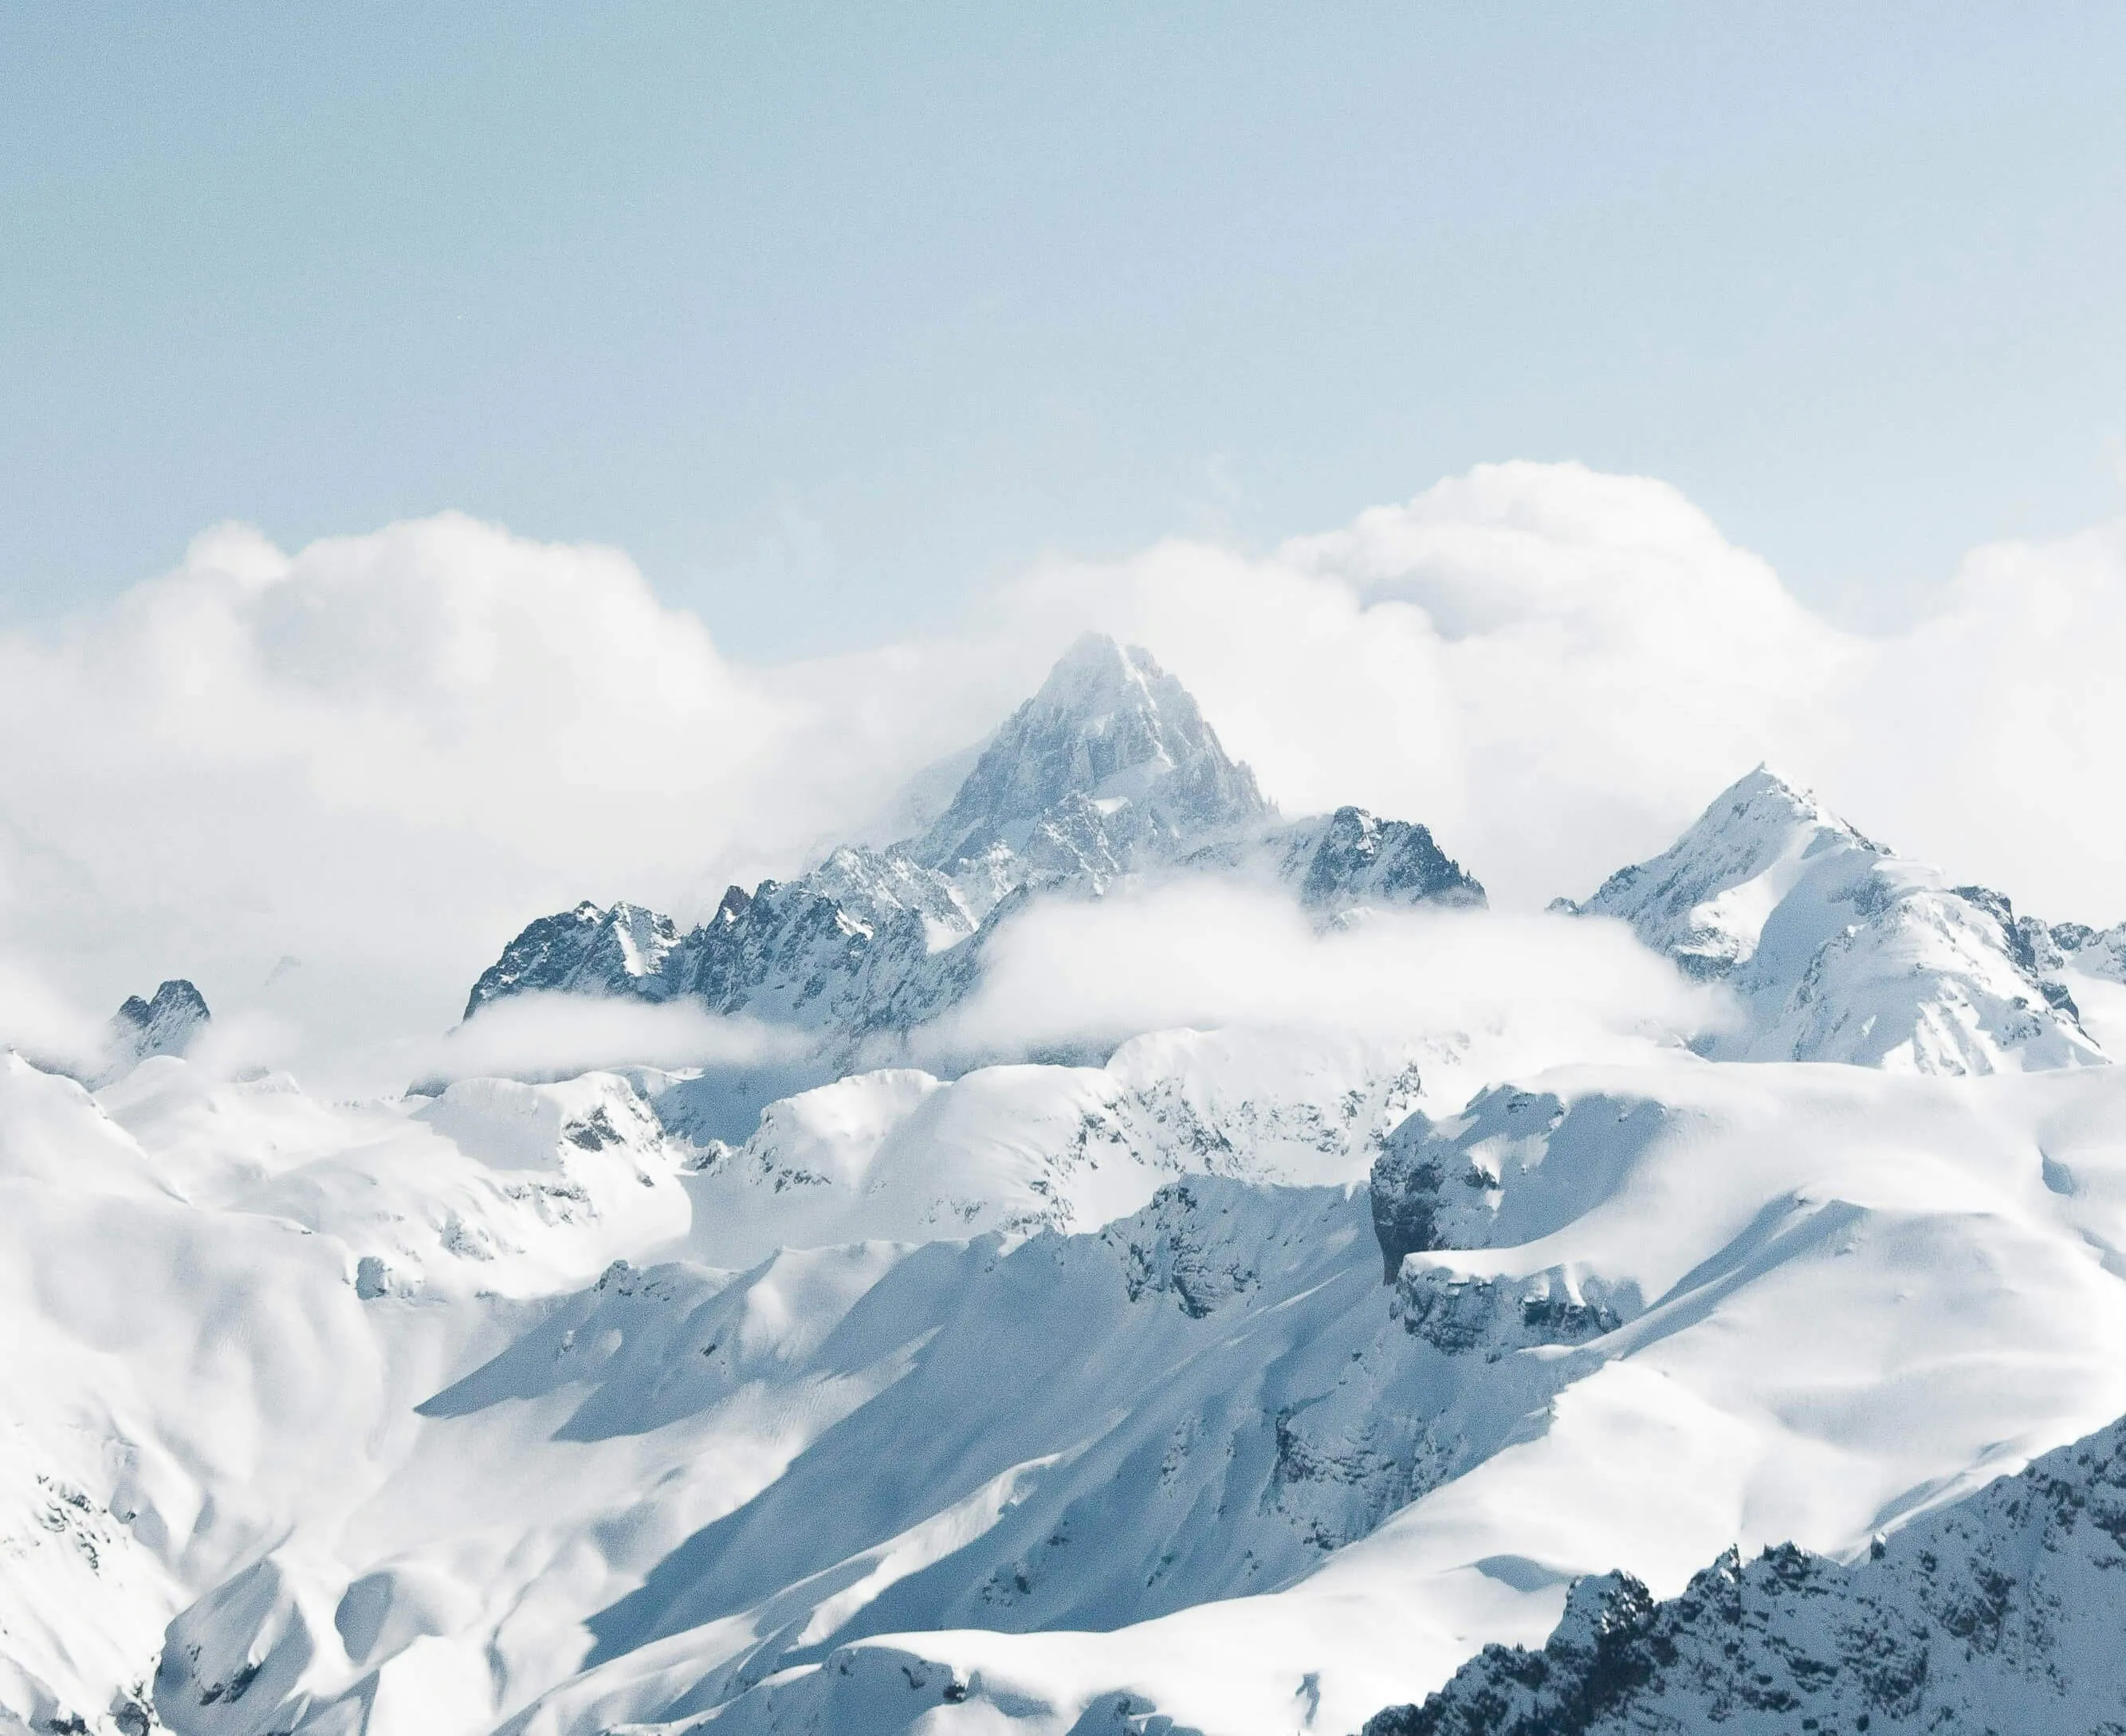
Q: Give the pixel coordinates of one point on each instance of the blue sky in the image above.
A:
(834, 317)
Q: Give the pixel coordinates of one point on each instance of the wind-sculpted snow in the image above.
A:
(222, 1302)
(1839, 951)
(1769, 1303)
(415, 1225)
(1999, 1613)
(1192, 1461)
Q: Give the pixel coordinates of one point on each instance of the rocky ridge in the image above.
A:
(1999, 1613)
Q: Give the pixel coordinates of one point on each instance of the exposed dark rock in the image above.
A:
(1998, 1614)
(1360, 857)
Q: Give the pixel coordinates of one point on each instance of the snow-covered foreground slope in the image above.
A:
(200, 1286)
(1198, 1459)
(1834, 1297)
(295, 1278)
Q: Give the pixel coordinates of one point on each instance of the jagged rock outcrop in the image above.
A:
(1173, 1247)
(1441, 1185)
(591, 950)
(1353, 857)
(1839, 950)
(168, 1024)
(1999, 1613)
(1459, 1312)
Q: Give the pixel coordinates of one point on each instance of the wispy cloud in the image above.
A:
(558, 1035)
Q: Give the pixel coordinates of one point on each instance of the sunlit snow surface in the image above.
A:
(1198, 1457)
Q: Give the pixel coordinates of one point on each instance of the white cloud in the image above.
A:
(42, 1024)
(1531, 990)
(560, 1035)
(1989, 737)
(383, 753)
(1554, 668)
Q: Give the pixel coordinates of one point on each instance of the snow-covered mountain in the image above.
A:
(1110, 771)
(1839, 950)
(1246, 1379)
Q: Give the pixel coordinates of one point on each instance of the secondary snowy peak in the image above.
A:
(1839, 950)
(165, 1025)
(1704, 900)
(1109, 766)
(1999, 1613)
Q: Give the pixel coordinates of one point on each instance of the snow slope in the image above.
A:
(1844, 1296)
(1196, 1460)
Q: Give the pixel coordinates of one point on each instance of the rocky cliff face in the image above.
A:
(1353, 858)
(1999, 1613)
(590, 949)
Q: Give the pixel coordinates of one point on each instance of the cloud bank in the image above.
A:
(1528, 991)
(381, 754)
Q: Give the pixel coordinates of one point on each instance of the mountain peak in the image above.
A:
(1110, 760)
(1096, 677)
(164, 1025)
(1761, 798)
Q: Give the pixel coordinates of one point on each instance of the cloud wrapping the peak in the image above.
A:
(1988, 737)
(1553, 667)
(383, 753)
